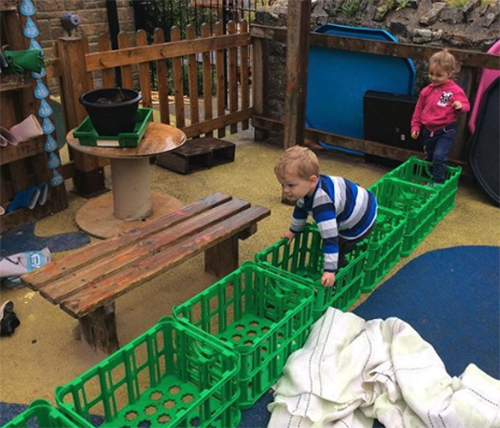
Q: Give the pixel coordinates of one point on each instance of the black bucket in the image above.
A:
(112, 110)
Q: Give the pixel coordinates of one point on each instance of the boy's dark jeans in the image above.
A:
(346, 245)
(437, 146)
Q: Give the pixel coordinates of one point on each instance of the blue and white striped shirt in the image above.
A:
(340, 208)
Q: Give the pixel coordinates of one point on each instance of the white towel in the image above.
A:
(351, 371)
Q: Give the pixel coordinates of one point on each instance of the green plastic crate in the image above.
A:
(416, 202)
(418, 171)
(171, 376)
(383, 246)
(303, 262)
(42, 414)
(262, 316)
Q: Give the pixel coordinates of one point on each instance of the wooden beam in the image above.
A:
(365, 146)
(299, 16)
(402, 50)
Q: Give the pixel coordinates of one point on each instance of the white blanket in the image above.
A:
(351, 371)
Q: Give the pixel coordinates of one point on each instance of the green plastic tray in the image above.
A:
(173, 375)
(42, 414)
(88, 136)
(303, 262)
(262, 316)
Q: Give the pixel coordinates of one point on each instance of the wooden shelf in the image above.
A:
(8, 5)
(23, 150)
(14, 85)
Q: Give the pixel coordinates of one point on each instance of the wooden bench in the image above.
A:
(86, 283)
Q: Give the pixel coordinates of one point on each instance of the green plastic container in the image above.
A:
(383, 246)
(171, 376)
(88, 136)
(303, 262)
(417, 203)
(42, 414)
(262, 316)
(418, 171)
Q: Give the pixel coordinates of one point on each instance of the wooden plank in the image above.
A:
(467, 79)
(162, 76)
(21, 151)
(466, 57)
(134, 275)
(366, 146)
(207, 79)
(221, 84)
(259, 84)
(110, 265)
(173, 49)
(233, 77)
(108, 78)
(217, 123)
(65, 266)
(99, 329)
(297, 54)
(175, 34)
(193, 79)
(126, 70)
(144, 72)
(244, 74)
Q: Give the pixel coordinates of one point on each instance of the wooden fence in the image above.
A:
(199, 105)
(264, 121)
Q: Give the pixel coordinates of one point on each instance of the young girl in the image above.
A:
(436, 113)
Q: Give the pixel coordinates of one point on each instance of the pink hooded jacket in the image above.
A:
(434, 106)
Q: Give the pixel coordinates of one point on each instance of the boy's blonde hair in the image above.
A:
(298, 161)
(445, 60)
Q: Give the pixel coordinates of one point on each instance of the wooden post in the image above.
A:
(89, 177)
(259, 84)
(297, 57)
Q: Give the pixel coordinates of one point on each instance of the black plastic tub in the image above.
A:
(112, 110)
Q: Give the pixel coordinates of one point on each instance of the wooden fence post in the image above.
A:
(89, 176)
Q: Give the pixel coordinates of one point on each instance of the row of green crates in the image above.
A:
(226, 346)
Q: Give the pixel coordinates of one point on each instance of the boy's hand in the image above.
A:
(457, 105)
(328, 279)
(289, 235)
(415, 134)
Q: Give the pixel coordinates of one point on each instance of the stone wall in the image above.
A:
(474, 26)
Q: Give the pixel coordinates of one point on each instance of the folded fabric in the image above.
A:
(25, 199)
(21, 263)
(7, 138)
(27, 129)
(351, 372)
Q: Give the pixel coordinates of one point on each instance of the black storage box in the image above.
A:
(387, 119)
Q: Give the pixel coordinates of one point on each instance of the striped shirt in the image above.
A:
(340, 208)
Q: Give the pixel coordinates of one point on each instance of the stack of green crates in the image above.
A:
(418, 171)
(262, 316)
(173, 375)
(416, 202)
(302, 261)
(41, 413)
(383, 247)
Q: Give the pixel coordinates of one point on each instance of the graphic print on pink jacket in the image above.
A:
(434, 106)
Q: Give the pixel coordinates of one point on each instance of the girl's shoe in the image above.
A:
(8, 319)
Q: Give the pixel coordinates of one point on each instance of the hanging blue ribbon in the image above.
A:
(47, 126)
(57, 179)
(51, 144)
(30, 30)
(45, 109)
(27, 8)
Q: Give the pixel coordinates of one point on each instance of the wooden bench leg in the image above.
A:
(223, 258)
(99, 329)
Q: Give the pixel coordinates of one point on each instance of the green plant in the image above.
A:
(350, 7)
(402, 4)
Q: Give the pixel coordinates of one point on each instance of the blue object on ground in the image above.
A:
(24, 239)
(450, 296)
(338, 80)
